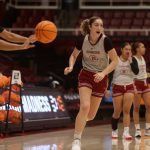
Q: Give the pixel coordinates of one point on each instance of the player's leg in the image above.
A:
(146, 98)
(127, 103)
(85, 97)
(117, 104)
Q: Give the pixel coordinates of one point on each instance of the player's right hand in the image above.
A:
(27, 45)
(107, 93)
(67, 70)
(32, 38)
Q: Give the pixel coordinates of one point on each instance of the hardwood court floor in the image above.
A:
(94, 138)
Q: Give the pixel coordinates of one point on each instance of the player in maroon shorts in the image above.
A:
(143, 91)
(96, 48)
(12, 39)
(123, 90)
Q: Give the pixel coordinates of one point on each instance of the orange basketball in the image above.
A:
(2, 115)
(2, 100)
(3, 81)
(14, 116)
(14, 99)
(45, 31)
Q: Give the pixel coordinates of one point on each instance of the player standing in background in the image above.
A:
(123, 90)
(143, 91)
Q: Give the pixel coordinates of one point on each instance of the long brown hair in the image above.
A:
(84, 27)
(134, 47)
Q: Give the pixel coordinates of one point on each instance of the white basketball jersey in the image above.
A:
(95, 58)
(123, 74)
(142, 75)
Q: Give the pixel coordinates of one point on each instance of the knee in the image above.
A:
(116, 114)
(126, 111)
(148, 107)
(85, 108)
(90, 117)
(136, 109)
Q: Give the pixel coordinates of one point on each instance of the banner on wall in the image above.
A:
(43, 104)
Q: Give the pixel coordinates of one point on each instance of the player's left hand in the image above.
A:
(129, 57)
(27, 45)
(29, 42)
(98, 77)
(107, 93)
(32, 38)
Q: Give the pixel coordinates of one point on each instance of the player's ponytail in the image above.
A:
(86, 24)
(134, 47)
(84, 27)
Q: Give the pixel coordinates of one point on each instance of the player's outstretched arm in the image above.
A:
(12, 37)
(6, 46)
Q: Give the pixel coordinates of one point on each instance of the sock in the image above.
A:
(114, 123)
(147, 125)
(137, 126)
(77, 136)
(126, 129)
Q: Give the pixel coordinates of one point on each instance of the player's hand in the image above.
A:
(148, 75)
(32, 38)
(107, 93)
(27, 45)
(98, 77)
(129, 57)
(67, 70)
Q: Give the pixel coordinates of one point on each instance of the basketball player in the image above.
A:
(96, 48)
(12, 38)
(123, 90)
(143, 91)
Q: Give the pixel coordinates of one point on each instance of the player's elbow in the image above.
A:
(115, 62)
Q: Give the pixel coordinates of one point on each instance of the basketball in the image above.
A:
(14, 99)
(14, 116)
(2, 100)
(2, 115)
(45, 31)
(3, 81)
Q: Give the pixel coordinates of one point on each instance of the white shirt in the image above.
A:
(142, 75)
(123, 74)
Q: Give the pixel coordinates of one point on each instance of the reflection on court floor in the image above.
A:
(94, 138)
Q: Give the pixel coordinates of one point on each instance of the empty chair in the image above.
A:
(96, 13)
(20, 22)
(115, 23)
(126, 23)
(140, 14)
(118, 14)
(84, 14)
(137, 23)
(129, 14)
(107, 14)
(106, 23)
(146, 23)
(100, 14)
(25, 12)
(32, 22)
(148, 14)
